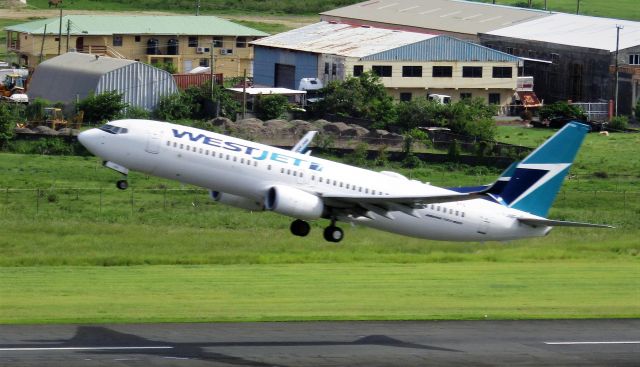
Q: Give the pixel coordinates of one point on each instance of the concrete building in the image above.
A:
(72, 76)
(573, 57)
(184, 41)
(410, 64)
(460, 19)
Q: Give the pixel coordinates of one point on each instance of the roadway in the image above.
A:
(318, 344)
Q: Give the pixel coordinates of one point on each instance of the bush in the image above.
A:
(9, 116)
(454, 149)
(619, 123)
(561, 110)
(173, 107)
(35, 109)
(102, 107)
(137, 113)
(272, 106)
(359, 155)
(192, 103)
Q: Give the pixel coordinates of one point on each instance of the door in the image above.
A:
(187, 65)
(285, 76)
(483, 227)
(79, 44)
(153, 142)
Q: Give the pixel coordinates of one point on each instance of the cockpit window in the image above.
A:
(113, 129)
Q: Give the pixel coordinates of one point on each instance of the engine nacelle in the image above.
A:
(293, 203)
(236, 201)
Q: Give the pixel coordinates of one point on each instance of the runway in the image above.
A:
(409, 343)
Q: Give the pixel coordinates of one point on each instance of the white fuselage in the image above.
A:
(243, 168)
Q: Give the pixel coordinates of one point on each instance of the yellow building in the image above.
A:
(185, 42)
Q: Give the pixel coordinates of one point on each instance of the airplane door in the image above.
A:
(153, 142)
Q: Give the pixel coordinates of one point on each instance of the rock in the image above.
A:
(68, 131)
(319, 124)
(44, 130)
(335, 128)
(355, 131)
(377, 133)
(277, 124)
(23, 130)
(300, 127)
(219, 121)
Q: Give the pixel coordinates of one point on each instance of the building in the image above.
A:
(573, 57)
(410, 64)
(184, 41)
(73, 76)
(460, 19)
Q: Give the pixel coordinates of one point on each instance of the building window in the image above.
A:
(465, 95)
(555, 57)
(502, 72)
(442, 71)
(382, 70)
(509, 50)
(117, 40)
(494, 98)
(358, 70)
(204, 62)
(217, 41)
(241, 42)
(472, 71)
(326, 68)
(193, 41)
(634, 59)
(137, 38)
(334, 69)
(412, 71)
(405, 97)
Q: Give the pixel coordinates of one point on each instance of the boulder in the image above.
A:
(23, 130)
(335, 128)
(299, 127)
(68, 131)
(355, 131)
(277, 124)
(219, 121)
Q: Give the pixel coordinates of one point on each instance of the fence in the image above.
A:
(189, 206)
(599, 111)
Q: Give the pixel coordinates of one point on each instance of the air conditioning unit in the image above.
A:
(200, 50)
(226, 51)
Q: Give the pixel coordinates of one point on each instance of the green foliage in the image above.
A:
(102, 107)
(382, 159)
(166, 66)
(46, 146)
(9, 116)
(35, 109)
(411, 161)
(173, 107)
(137, 113)
(454, 149)
(421, 112)
(484, 148)
(271, 106)
(637, 110)
(192, 104)
(619, 123)
(359, 155)
(561, 109)
(361, 97)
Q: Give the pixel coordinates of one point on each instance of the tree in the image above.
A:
(561, 110)
(102, 107)
(362, 97)
(272, 106)
(192, 103)
(9, 116)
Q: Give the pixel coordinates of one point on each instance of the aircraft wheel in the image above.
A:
(333, 234)
(122, 184)
(300, 228)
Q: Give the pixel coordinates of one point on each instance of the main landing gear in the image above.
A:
(122, 184)
(331, 233)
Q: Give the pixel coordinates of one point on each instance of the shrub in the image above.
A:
(9, 116)
(173, 107)
(454, 149)
(359, 155)
(272, 106)
(137, 113)
(619, 123)
(561, 110)
(102, 107)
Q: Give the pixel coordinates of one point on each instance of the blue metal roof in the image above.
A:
(441, 48)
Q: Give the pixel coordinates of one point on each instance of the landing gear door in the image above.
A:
(153, 141)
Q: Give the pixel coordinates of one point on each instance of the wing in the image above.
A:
(359, 205)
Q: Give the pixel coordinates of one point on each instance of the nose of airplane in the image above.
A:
(90, 139)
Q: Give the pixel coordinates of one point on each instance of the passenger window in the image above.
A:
(200, 150)
(295, 173)
(300, 174)
(457, 213)
(228, 156)
(269, 167)
(221, 155)
(288, 171)
(373, 192)
(194, 149)
(281, 170)
(235, 159)
(168, 143)
(255, 163)
(320, 179)
(241, 160)
(366, 191)
(340, 184)
(175, 144)
(462, 214)
(206, 152)
(181, 146)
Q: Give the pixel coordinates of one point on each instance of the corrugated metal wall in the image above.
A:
(442, 48)
(265, 59)
(142, 85)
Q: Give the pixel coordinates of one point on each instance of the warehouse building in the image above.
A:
(573, 57)
(184, 41)
(74, 76)
(460, 19)
(410, 64)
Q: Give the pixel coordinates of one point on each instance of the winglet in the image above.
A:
(303, 143)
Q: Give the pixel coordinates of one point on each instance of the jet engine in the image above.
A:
(293, 203)
(236, 201)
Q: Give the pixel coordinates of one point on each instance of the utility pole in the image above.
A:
(197, 8)
(244, 94)
(578, 8)
(545, 4)
(60, 33)
(44, 36)
(68, 32)
(618, 28)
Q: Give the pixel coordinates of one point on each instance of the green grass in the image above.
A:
(319, 292)
(622, 9)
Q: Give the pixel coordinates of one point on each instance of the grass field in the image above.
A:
(75, 249)
(319, 292)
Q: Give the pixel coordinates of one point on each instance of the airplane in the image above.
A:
(259, 177)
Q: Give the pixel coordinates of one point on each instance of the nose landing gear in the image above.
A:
(122, 184)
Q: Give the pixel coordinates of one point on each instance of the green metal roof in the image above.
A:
(139, 25)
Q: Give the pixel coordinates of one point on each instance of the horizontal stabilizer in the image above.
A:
(559, 223)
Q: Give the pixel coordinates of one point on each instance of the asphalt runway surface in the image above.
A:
(405, 343)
